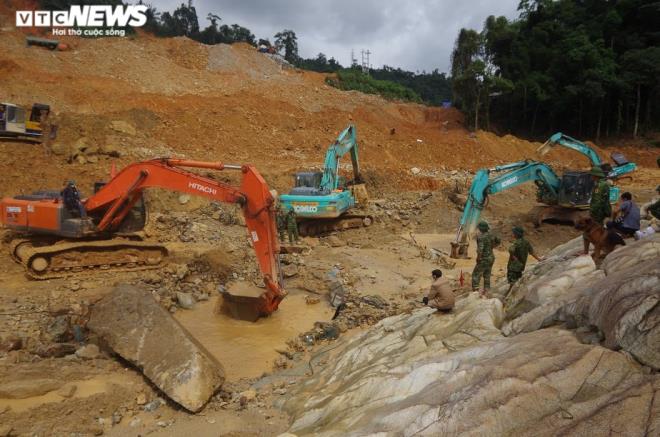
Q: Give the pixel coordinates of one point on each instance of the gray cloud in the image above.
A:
(415, 35)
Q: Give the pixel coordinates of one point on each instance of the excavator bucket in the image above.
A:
(459, 250)
(544, 148)
(244, 303)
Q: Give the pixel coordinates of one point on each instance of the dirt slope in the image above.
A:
(143, 97)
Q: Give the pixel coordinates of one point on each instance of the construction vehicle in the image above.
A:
(322, 200)
(59, 243)
(565, 198)
(16, 124)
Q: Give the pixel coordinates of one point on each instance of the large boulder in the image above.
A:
(622, 301)
(547, 281)
(625, 307)
(430, 374)
(138, 329)
(632, 254)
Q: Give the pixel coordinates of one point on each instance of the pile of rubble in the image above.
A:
(403, 212)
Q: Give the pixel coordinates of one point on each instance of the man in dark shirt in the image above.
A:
(71, 199)
(627, 216)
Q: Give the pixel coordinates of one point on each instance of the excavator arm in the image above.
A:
(573, 144)
(113, 202)
(346, 142)
(563, 140)
(504, 177)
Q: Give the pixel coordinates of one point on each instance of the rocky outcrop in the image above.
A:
(425, 373)
(431, 374)
(138, 329)
(549, 281)
(622, 300)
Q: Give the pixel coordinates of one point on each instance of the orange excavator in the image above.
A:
(58, 242)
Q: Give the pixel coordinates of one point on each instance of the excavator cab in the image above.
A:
(12, 119)
(16, 122)
(575, 189)
(307, 184)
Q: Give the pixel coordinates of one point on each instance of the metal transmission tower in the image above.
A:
(353, 59)
(365, 61)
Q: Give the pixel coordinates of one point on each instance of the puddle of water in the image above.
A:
(84, 388)
(246, 349)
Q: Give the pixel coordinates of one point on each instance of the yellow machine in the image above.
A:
(15, 122)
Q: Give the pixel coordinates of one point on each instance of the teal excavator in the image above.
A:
(324, 201)
(564, 199)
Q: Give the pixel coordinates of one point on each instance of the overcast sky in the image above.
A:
(415, 35)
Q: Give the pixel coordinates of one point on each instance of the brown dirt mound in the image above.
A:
(143, 97)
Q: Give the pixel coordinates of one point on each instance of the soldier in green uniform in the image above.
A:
(485, 257)
(281, 221)
(292, 226)
(654, 208)
(599, 207)
(518, 253)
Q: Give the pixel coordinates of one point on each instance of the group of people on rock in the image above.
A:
(625, 219)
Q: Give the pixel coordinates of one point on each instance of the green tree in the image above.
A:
(587, 67)
(642, 70)
(468, 71)
(182, 22)
(286, 40)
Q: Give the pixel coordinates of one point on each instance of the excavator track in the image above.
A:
(309, 228)
(20, 138)
(557, 214)
(86, 257)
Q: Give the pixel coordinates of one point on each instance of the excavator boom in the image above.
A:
(505, 177)
(346, 142)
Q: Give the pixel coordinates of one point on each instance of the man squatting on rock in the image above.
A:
(441, 296)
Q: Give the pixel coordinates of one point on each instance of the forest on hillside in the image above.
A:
(589, 67)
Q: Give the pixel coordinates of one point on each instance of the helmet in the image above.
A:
(518, 231)
(71, 182)
(597, 171)
(657, 188)
(483, 226)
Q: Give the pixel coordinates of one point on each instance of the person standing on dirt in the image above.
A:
(485, 258)
(292, 226)
(71, 199)
(599, 206)
(627, 215)
(440, 296)
(518, 253)
(280, 217)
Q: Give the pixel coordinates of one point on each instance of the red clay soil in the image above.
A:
(143, 97)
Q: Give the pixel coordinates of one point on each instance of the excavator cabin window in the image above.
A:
(308, 179)
(37, 109)
(15, 114)
(576, 188)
